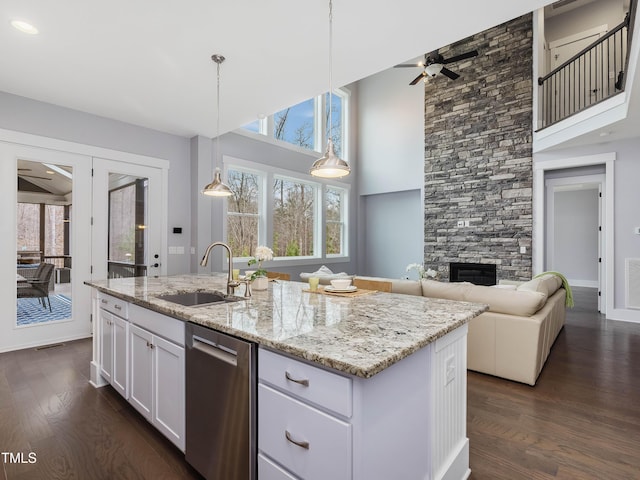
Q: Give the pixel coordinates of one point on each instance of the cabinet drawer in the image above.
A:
(283, 420)
(168, 327)
(114, 305)
(326, 389)
(267, 470)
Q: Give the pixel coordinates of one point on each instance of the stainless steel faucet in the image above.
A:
(231, 283)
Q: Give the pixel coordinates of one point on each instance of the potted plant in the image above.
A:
(259, 280)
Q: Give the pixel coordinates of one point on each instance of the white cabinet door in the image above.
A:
(169, 389)
(120, 372)
(106, 344)
(141, 388)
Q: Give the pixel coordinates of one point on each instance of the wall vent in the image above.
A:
(633, 282)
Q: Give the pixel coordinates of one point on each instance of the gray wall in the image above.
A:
(626, 200)
(478, 154)
(594, 14)
(390, 139)
(575, 245)
(392, 237)
(30, 116)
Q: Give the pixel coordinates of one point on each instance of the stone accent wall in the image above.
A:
(478, 154)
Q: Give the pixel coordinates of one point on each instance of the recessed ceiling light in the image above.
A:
(24, 27)
(50, 172)
(605, 134)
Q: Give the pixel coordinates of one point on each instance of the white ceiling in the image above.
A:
(148, 63)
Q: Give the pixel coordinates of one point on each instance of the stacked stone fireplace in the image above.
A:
(478, 155)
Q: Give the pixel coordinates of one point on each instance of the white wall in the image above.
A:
(600, 12)
(391, 132)
(626, 200)
(393, 236)
(390, 156)
(30, 116)
(575, 230)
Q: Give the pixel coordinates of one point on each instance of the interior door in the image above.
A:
(75, 224)
(129, 234)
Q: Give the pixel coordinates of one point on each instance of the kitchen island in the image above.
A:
(395, 366)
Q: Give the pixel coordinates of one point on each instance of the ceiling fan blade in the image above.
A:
(417, 79)
(402, 65)
(462, 56)
(448, 73)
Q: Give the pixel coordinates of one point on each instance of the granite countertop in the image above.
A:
(360, 335)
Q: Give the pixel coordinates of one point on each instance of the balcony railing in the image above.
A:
(125, 270)
(592, 75)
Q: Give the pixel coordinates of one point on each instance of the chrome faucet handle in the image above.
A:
(247, 290)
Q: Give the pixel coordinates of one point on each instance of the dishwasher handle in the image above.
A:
(225, 355)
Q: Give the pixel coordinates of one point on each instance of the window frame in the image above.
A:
(265, 234)
(262, 183)
(344, 216)
(266, 126)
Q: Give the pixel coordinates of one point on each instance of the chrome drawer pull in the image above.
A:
(117, 307)
(304, 382)
(103, 301)
(304, 445)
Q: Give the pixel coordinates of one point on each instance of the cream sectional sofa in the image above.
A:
(513, 339)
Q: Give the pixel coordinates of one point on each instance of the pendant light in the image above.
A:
(330, 165)
(217, 188)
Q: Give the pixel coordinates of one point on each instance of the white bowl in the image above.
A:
(341, 283)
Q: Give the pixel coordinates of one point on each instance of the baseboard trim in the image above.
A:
(96, 379)
(42, 343)
(458, 468)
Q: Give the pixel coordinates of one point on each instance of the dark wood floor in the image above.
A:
(581, 420)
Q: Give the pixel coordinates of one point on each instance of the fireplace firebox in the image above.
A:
(476, 273)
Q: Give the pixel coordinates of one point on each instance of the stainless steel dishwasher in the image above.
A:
(220, 405)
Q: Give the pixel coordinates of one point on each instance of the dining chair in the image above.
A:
(38, 287)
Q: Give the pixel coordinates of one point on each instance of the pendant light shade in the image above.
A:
(217, 188)
(330, 165)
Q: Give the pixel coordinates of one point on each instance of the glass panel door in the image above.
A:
(129, 233)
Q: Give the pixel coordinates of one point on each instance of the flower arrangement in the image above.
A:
(422, 273)
(262, 254)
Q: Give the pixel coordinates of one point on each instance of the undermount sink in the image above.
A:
(198, 299)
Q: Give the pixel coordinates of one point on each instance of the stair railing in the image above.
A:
(592, 75)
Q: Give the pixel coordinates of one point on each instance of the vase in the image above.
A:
(260, 283)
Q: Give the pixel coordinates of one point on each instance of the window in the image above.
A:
(28, 222)
(293, 218)
(243, 212)
(296, 124)
(54, 234)
(122, 224)
(305, 124)
(289, 212)
(335, 201)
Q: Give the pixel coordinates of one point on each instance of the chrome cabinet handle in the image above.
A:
(304, 445)
(304, 381)
(117, 307)
(103, 301)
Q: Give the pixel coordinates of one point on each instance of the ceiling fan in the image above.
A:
(434, 63)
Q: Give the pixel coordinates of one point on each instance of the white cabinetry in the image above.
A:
(158, 371)
(114, 350)
(408, 421)
(141, 354)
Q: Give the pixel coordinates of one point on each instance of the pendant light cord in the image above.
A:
(218, 118)
(329, 133)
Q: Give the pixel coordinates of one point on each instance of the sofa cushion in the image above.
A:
(547, 284)
(511, 302)
(446, 290)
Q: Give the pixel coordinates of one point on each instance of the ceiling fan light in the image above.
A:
(433, 69)
(330, 165)
(217, 188)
